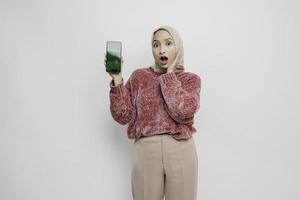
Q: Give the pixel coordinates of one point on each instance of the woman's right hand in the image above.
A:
(117, 77)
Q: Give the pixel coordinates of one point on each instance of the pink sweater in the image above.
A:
(154, 103)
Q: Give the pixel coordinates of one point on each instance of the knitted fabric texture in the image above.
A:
(151, 102)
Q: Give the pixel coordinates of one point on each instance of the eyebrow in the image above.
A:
(164, 39)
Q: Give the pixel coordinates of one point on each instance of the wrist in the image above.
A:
(117, 81)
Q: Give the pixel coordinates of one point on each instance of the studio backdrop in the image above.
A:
(58, 139)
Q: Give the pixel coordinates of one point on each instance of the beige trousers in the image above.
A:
(164, 167)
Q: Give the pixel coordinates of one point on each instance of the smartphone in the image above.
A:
(113, 56)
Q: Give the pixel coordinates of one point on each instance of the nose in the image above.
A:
(162, 50)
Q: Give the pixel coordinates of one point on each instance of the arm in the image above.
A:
(182, 98)
(121, 107)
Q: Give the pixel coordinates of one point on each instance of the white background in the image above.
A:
(58, 139)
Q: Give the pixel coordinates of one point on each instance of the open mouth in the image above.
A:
(164, 59)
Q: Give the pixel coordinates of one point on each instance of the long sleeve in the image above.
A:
(121, 107)
(182, 98)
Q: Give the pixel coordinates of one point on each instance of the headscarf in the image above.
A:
(178, 44)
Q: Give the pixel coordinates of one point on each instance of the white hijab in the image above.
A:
(179, 46)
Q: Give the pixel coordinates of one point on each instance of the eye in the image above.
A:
(169, 43)
(155, 45)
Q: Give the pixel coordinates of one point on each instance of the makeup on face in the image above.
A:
(163, 48)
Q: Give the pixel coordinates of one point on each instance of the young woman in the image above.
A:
(159, 103)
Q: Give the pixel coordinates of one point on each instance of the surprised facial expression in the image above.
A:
(163, 49)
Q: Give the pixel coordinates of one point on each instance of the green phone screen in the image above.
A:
(113, 56)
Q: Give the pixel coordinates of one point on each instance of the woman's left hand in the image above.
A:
(172, 67)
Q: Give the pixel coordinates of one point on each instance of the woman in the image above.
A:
(159, 103)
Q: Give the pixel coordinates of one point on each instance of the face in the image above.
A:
(163, 49)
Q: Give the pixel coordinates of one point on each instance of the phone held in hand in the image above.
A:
(113, 56)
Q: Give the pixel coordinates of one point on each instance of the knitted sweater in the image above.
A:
(155, 103)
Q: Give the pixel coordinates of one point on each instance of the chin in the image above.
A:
(163, 66)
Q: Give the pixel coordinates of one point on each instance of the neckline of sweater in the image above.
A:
(159, 73)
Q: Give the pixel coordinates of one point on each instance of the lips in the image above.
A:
(164, 59)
